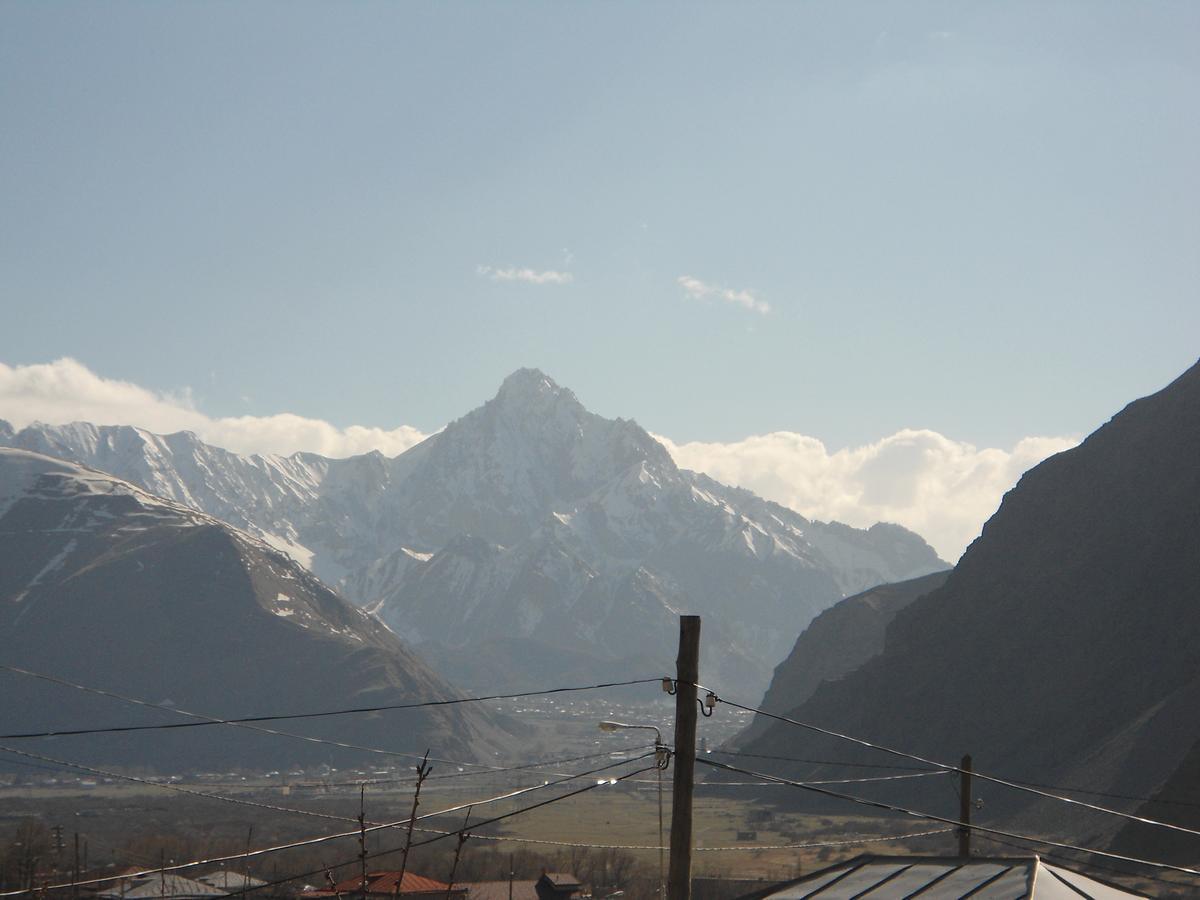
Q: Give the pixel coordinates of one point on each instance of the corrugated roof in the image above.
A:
(167, 885)
(946, 878)
(231, 881)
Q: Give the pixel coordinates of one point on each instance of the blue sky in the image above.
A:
(839, 220)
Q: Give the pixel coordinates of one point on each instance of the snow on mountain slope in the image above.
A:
(105, 584)
(528, 517)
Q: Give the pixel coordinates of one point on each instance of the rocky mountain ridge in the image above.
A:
(530, 517)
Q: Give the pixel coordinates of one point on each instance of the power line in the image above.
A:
(952, 768)
(864, 839)
(490, 770)
(272, 807)
(443, 835)
(815, 762)
(1090, 863)
(936, 818)
(207, 720)
(874, 778)
(1077, 790)
(175, 787)
(175, 867)
(137, 701)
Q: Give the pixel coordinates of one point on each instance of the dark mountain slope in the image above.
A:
(836, 643)
(1065, 646)
(105, 585)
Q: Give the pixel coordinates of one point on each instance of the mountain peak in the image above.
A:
(525, 385)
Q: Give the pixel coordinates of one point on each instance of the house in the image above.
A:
(231, 882)
(558, 886)
(500, 890)
(943, 878)
(158, 886)
(381, 885)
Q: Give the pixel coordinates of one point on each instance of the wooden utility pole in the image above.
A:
(362, 839)
(687, 671)
(964, 807)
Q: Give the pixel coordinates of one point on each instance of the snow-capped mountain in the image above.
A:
(529, 517)
(106, 585)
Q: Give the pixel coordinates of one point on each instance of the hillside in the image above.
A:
(108, 586)
(835, 643)
(1065, 646)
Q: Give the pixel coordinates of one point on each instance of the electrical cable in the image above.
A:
(442, 836)
(166, 786)
(490, 770)
(980, 775)
(816, 762)
(215, 721)
(1078, 790)
(1091, 864)
(243, 720)
(864, 839)
(175, 867)
(877, 804)
(874, 778)
(269, 806)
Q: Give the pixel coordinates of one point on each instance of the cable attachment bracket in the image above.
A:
(708, 704)
(662, 756)
(668, 686)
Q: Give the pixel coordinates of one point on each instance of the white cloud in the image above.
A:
(67, 391)
(700, 290)
(940, 488)
(529, 276)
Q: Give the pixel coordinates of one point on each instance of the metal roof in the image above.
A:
(231, 881)
(946, 878)
(166, 884)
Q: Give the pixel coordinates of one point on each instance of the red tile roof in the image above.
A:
(385, 883)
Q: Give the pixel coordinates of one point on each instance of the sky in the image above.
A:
(872, 260)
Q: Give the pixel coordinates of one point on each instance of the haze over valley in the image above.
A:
(391, 393)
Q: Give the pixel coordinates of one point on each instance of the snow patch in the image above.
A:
(54, 564)
(298, 552)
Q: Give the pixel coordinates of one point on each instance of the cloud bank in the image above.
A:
(940, 488)
(700, 290)
(529, 276)
(67, 391)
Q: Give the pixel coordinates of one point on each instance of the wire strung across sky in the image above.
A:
(878, 804)
(864, 839)
(136, 701)
(818, 762)
(870, 778)
(278, 717)
(952, 768)
(320, 839)
(1092, 864)
(240, 801)
(368, 829)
